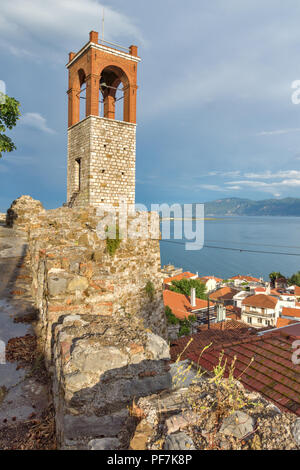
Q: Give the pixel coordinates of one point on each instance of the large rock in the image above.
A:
(296, 431)
(79, 283)
(57, 283)
(158, 347)
(23, 211)
(238, 424)
(141, 436)
(181, 421)
(94, 426)
(108, 443)
(179, 441)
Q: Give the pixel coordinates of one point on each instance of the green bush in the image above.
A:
(171, 319)
(112, 244)
(184, 286)
(185, 328)
(185, 325)
(192, 318)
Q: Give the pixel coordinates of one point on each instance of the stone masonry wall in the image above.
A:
(102, 336)
(107, 149)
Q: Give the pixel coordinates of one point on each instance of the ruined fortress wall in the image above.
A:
(107, 149)
(101, 333)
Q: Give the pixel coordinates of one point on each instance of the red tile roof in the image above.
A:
(223, 293)
(275, 292)
(233, 312)
(207, 278)
(271, 372)
(297, 291)
(218, 333)
(284, 322)
(186, 275)
(260, 300)
(260, 289)
(246, 278)
(290, 312)
(180, 304)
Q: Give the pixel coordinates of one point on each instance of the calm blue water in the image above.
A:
(279, 234)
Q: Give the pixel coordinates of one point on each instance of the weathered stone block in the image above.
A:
(179, 441)
(238, 424)
(108, 443)
(79, 283)
(93, 426)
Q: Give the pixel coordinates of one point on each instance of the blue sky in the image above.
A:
(215, 115)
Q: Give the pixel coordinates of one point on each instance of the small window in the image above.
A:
(78, 174)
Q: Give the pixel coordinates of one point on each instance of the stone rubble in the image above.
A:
(200, 412)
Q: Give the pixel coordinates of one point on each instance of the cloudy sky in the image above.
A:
(215, 111)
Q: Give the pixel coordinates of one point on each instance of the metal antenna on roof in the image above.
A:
(103, 25)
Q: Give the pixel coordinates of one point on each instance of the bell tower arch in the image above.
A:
(102, 74)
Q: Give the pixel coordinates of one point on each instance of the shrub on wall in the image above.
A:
(150, 290)
(113, 239)
(171, 319)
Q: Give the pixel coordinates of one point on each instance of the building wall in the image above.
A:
(79, 147)
(107, 149)
(269, 315)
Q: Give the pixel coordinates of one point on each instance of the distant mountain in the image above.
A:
(235, 206)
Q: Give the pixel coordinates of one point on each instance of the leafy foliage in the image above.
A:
(9, 114)
(185, 325)
(275, 275)
(113, 239)
(184, 286)
(185, 328)
(295, 279)
(172, 320)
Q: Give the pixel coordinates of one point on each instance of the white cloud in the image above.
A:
(277, 174)
(51, 29)
(212, 187)
(270, 187)
(36, 121)
(246, 62)
(284, 180)
(279, 131)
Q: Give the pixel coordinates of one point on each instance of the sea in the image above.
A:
(270, 244)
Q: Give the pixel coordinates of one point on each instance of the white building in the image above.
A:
(260, 310)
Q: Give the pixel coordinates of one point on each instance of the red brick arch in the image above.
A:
(92, 60)
(112, 77)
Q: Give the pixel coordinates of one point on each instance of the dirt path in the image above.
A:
(26, 418)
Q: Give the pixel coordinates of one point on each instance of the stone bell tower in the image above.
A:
(101, 149)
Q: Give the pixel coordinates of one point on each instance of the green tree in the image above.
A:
(184, 286)
(275, 275)
(9, 114)
(295, 279)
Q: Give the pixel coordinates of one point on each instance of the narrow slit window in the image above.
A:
(78, 174)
